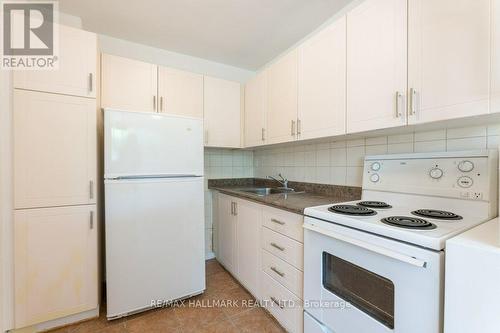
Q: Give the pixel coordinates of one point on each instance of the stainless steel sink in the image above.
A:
(263, 191)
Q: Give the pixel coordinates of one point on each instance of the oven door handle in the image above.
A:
(370, 247)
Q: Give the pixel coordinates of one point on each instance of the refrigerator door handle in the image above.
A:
(154, 176)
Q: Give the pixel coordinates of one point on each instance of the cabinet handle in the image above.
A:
(275, 301)
(91, 220)
(91, 189)
(299, 130)
(277, 221)
(154, 103)
(91, 82)
(398, 99)
(275, 270)
(263, 134)
(413, 97)
(161, 103)
(235, 209)
(232, 208)
(281, 248)
(292, 130)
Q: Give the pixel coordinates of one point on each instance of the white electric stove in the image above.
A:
(369, 265)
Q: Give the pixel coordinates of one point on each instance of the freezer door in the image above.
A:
(154, 242)
(137, 143)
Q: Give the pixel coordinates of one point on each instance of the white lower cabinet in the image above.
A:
(267, 262)
(282, 304)
(56, 264)
(226, 226)
(249, 216)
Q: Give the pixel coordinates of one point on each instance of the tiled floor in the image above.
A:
(227, 319)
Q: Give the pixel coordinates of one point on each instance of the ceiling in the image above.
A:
(241, 33)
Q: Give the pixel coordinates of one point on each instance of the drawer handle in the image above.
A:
(275, 301)
(281, 248)
(278, 222)
(275, 270)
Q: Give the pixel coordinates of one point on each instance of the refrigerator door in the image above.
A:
(154, 242)
(140, 144)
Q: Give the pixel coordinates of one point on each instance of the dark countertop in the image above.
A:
(311, 194)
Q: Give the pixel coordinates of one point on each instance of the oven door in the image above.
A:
(358, 282)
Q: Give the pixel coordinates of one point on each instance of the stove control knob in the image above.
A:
(436, 173)
(466, 166)
(374, 178)
(375, 166)
(465, 182)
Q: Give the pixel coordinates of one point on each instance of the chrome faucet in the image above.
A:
(283, 180)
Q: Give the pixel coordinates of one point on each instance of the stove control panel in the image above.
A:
(451, 175)
(466, 166)
(436, 173)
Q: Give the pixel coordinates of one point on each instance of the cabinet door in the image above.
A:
(255, 110)
(282, 99)
(180, 92)
(55, 149)
(376, 65)
(222, 100)
(249, 216)
(495, 76)
(76, 74)
(128, 84)
(448, 59)
(322, 84)
(55, 265)
(227, 233)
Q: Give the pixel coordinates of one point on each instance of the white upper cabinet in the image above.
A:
(56, 266)
(180, 92)
(255, 110)
(55, 149)
(222, 116)
(128, 84)
(282, 99)
(495, 57)
(376, 65)
(448, 59)
(76, 74)
(322, 83)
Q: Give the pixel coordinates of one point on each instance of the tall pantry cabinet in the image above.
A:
(55, 150)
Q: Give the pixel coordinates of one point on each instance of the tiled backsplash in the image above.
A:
(341, 162)
(335, 162)
(223, 163)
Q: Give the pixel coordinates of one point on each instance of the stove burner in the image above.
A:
(408, 222)
(352, 210)
(437, 214)
(374, 204)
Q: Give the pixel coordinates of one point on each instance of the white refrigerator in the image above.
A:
(154, 226)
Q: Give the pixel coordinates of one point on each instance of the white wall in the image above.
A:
(341, 162)
(153, 55)
(5, 201)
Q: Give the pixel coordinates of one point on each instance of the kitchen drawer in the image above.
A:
(283, 247)
(285, 223)
(282, 304)
(289, 276)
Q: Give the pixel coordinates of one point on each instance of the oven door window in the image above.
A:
(367, 291)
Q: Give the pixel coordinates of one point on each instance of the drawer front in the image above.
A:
(283, 247)
(285, 223)
(282, 304)
(289, 276)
